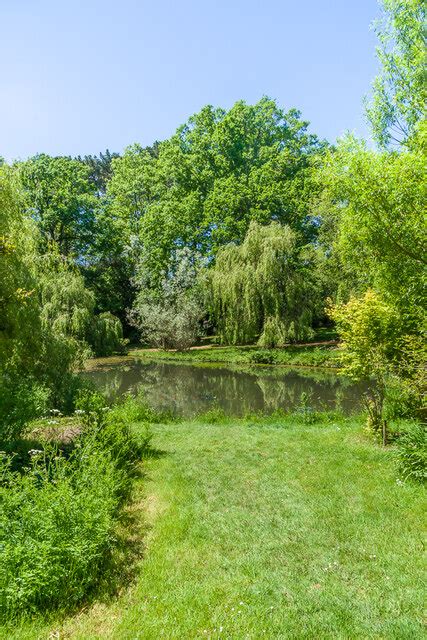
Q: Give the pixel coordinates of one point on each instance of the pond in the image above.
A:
(190, 389)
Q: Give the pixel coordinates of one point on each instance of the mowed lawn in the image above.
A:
(268, 530)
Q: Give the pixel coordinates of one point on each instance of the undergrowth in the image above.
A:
(59, 513)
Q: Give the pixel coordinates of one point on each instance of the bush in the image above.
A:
(412, 453)
(135, 409)
(262, 357)
(175, 326)
(58, 516)
(20, 402)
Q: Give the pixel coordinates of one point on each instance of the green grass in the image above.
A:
(267, 529)
(308, 355)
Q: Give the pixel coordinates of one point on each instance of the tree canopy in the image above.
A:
(263, 288)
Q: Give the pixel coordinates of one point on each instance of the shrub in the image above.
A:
(20, 401)
(58, 516)
(135, 409)
(262, 357)
(412, 453)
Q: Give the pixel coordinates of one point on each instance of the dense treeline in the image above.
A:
(243, 224)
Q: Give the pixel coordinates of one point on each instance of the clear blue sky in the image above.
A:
(79, 76)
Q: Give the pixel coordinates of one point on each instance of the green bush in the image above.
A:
(412, 453)
(131, 409)
(262, 357)
(20, 401)
(58, 516)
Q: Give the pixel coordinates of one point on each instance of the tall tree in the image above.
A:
(399, 91)
(217, 173)
(100, 169)
(61, 198)
(264, 289)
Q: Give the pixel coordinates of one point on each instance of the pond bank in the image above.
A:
(319, 354)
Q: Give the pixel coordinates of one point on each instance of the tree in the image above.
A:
(263, 289)
(68, 307)
(47, 322)
(60, 197)
(100, 169)
(377, 347)
(220, 171)
(169, 317)
(399, 91)
(35, 362)
(377, 201)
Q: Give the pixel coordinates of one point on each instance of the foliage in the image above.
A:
(58, 516)
(263, 288)
(377, 347)
(370, 330)
(47, 319)
(262, 357)
(377, 200)
(412, 453)
(169, 318)
(35, 363)
(61, 198)
(218, 172)
(107, 334)
(399, 91)
(100, 169)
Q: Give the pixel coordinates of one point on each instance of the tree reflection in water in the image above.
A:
(189, 389)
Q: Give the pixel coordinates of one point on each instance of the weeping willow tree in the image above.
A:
(68, 307)
(263, 290)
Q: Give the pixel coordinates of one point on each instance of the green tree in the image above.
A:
(264, 289)
(169, 317)
(377, 347)
(35, 362)
(221, 170)
(399, 91)
(60, 197)
(100, 169)
(377, 201)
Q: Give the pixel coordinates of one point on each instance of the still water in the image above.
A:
(189, 389)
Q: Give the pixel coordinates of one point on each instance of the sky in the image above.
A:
(77, 77)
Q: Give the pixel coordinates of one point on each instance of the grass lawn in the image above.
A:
(267, 529)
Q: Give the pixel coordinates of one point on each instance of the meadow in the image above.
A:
(263, 527)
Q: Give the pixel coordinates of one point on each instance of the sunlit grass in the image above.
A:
(268, 529)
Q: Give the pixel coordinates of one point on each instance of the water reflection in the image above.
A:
(188, 389)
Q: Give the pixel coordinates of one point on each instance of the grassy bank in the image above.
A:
(316, 355)
(267, 529)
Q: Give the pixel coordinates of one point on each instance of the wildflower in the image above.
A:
(79, 412)
(35, 452)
